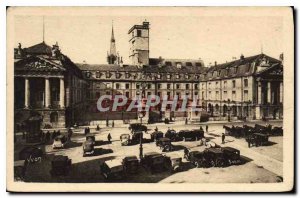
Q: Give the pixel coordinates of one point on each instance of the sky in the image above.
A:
(209, 37)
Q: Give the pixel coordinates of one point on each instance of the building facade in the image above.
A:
(64, 93)
(47, 83)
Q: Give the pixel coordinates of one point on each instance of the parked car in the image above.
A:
(59, 142)
(196, 158)
(112, 169)
(131, 164)
(231, 155)
(258, 139)
(164, 144)
(154, 162)
(61, 165)
(174, 162)
(215, 156)
(125, 139)
(193, 135)
(88, 148)
(137, 127)
(172, 135)
(277, 131)
(156, 135)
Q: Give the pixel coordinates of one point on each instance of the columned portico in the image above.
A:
(27, 93)
(47, 93)
(61, 93)
(269, 92)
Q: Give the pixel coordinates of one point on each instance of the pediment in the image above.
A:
(38, 63)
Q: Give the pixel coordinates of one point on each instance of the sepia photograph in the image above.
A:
(150, 99)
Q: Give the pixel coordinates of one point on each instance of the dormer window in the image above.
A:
(98, 74)
(177, 76)
(107, 74)
(219, 73)
(178, 65)
(168, 76)
(197, 77)
(187, 76)
(188, 64)
(158, 76)
(235, 69)
(168, 63)
(88, 74)
(127, 75)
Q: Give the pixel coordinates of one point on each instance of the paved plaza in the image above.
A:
(263, 164)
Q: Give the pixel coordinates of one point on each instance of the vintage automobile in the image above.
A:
(156, 135)
(172, 135)
(137, 127)
(59, 142)
(248, 130)
(258, 139)
(190, 135)
(131, 164)
(61, 165)
(263, 129)
(196, 158)
(90, 137)
(154, 162)
(215, 157)
(234, 131)
(174, 162)
(20, 170)
(112, 169)
(231, 155)
(277, 131)
(88, 148)
(125, 139)
(164, 144)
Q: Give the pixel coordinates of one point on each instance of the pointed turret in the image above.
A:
(112, 57)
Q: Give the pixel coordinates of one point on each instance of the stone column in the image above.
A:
(27, 93)
(47, 93)
(281, 93)
(269, 92)
(61, 93)
(258, 93)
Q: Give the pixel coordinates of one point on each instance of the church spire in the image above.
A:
(112, 56)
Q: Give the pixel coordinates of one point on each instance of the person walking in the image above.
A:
(206, 128)
(109, 138)
(98, 128)
(223, 138)
(113, 124)
(186, 121)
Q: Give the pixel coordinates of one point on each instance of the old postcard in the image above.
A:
(150, 99)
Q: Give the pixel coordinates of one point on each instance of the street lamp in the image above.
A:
(141, 145)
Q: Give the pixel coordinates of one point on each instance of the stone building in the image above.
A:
(47, 83)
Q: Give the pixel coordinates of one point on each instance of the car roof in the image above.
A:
(214, 150)
(164, 139)
(113, 163)
(230, 148)
(130, 158)
(60, 158)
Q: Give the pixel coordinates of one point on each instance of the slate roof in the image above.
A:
(41, 48)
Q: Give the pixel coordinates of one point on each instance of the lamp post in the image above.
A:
(141, 145)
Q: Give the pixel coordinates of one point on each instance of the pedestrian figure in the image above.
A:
(98, 128)
(107, 123)
(223, 138)
(113, 124)
(47, 136)
(201, 129)
(156, 129)
(186, 121)
(109, 138)
(206, 128)
(249, 143)
(53, 134)
(70, 132)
